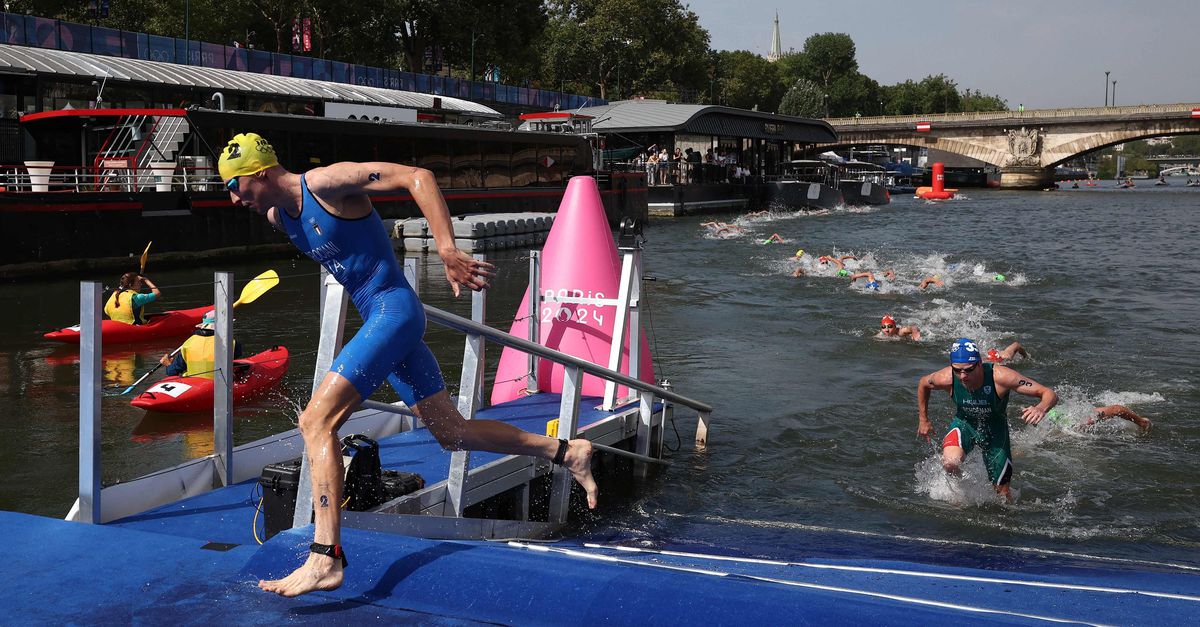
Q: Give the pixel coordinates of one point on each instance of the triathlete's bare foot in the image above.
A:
(320, 572)
(579, 461)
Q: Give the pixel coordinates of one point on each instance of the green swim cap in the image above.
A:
(999, 277)
(843, 272)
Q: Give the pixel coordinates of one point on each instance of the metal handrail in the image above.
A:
(465, 325)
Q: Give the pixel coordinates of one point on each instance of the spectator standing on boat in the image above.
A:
(327, 214)
(197, 356)
(980, 393)
(127, 304)
(664, 167)
(652, 167)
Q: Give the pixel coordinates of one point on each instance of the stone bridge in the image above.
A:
(1025, 145)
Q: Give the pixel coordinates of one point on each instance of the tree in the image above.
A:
(646, 46)
(978, 101)
(853, 94)
(939, 94)
(748, 81)
(803, 99)
(826, 57)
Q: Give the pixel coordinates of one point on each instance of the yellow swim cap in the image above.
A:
(800, 253)
(246, 153)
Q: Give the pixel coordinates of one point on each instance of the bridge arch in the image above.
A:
(1025, 145)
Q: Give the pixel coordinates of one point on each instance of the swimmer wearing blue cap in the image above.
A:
(872, 282)
(327, 213)
(980, 394)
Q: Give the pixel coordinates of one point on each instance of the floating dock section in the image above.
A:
(477, 233)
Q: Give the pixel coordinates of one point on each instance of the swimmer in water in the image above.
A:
(931, 280)
(889, 328)
(774, 239)
(1119, 411)
(872, 282)
(1000, 356)
(799, 271)
(721, 228)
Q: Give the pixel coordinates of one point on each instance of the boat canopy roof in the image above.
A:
(633, 116)
(64, 63)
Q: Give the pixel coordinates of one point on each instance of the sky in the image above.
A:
(1043, 54)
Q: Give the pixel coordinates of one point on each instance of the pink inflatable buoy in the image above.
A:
(579, 260)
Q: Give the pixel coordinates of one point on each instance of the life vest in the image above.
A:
(122, 310)
(199, 353)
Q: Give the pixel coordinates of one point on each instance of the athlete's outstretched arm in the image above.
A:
(1013, 380)
(344, 179)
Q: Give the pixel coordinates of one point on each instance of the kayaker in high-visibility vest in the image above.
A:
(197, 355)
(127, 304)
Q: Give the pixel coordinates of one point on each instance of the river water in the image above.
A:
(813, 434)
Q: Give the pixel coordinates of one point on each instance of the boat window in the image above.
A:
(524, 165)
(549, 164)
(8, 105)
(433, 155)
(394, 150)
(310, 150)
(496, 157)
(566, 163)
(57, 95)
(467, 164)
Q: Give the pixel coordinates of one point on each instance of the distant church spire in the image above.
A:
(776, 47)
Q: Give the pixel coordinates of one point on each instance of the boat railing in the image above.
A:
(683, 172)
(228, 465)
(116, 174)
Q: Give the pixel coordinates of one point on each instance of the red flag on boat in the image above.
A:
(923, 127)
(1195, 114)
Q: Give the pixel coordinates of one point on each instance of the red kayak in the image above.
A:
(175, 323)
(252, 376)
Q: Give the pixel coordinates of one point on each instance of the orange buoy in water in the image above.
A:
(939, 191)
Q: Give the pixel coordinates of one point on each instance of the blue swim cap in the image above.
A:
(964, 351)
(873, 285)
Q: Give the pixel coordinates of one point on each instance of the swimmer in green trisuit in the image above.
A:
(774, 239)
(980, 394)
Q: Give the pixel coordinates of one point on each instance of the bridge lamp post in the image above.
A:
(1106, 73)
(1114, 93)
